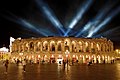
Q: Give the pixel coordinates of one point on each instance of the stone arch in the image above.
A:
(38, 46)
(31, 46)
(21, 46)
(26, 46)
(87, 44)
(45, 46)
(14, 48)
(67, 44)
(93, 47)
(74, 46)
(98, 48)
(102, 47)
(106, 47)
(59, 46)
(52, 45)
(80, 47)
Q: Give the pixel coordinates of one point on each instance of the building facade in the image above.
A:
(56, 49)
(4, 53)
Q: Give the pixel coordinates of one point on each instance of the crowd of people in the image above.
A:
(65, 63)
(6, 64)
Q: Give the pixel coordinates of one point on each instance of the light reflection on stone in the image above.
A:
(20, 72)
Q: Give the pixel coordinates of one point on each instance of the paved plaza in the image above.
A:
(57, 72)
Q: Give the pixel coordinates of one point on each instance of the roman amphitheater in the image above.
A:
(56, 49)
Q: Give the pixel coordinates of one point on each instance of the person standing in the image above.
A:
(64, 63)
(18, 61)
(24, 65)
(6, 65)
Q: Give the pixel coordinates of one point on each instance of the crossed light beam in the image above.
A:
(27, 25)
(110, 31)
(105, 21)
(90, 26)
(32, 27)
(93, 26)
(81, 10)
(50, 16)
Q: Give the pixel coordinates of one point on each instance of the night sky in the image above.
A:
(17, 16)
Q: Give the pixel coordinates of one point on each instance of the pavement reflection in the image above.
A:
(58, 72)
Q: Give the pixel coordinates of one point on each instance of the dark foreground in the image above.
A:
(56, 72)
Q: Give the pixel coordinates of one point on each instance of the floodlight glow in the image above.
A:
(68, 30)
(33, 28)
(97, 19)
(106, 21)
(50, 15)
(26, 24)
(104, 10)
(108, 32)
(82, 9)
(87, 26)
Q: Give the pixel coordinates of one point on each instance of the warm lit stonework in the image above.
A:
(49, 49)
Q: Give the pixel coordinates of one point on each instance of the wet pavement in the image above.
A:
(57, 72)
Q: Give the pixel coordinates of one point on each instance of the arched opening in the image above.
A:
(45, 46)
(86, 47)
(26, 47)
(67, 43)
(59, 46)
(31, 45)
(38, 46)
(52, 46)
(80, 46)
(92, 47)
(74, 46)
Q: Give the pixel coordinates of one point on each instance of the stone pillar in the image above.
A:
(19, 47)
(77, 46)
(70, 46)
(41, 46)
(89, 45)
(63, 46)
(23, 47)
(48, 47)
(35, 46)
(28, 47)
(83, 48)
(103, 48)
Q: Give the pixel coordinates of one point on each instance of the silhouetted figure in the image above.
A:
(67, 62)
(72, 62)
(64, 63)
(37, 61)
(113, 61)
(6, 65)
(18, 61)
(24, 65)
(97, 61)
(77, 61)
(43, 61)
(93, 60)
(104, 61)
(89, 63)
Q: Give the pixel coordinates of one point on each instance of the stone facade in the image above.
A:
(59, 48)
